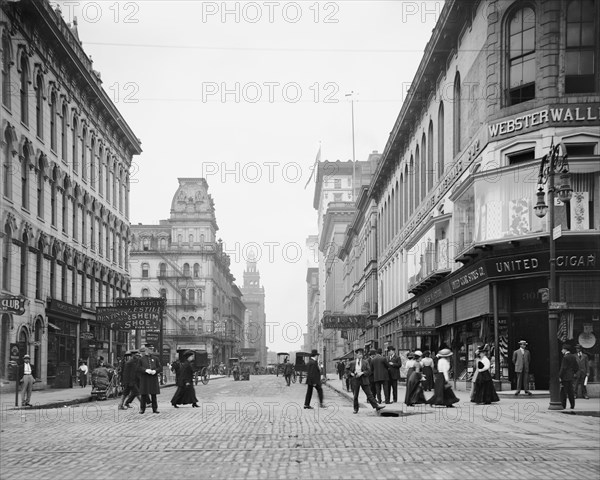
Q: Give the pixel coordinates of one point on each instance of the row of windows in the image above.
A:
(162, 270)
(101, 170)
(74, 287)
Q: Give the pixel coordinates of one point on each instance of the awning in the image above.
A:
(54, 327)
(346, 356)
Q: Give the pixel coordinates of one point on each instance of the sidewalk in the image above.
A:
(53, 398)
(541, 398)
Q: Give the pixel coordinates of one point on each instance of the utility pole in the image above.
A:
(351, 95)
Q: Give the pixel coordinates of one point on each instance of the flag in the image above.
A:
(314, 169)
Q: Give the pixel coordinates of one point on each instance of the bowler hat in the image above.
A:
(314, 352)
(444, 352)
(359, 350)
(142, 349)
(522, 342)
(391, 347)
(187, 353)
(483, 348)
(566, 346)
(26, 356)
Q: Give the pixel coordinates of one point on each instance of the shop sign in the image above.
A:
(417, 331)
(433, 296)
(87, 336)
(152, 336)
(540, 262)
(344, 321)
(128, 318)
(551, 115)
(56, 306)
(468, 279)
(12, 304)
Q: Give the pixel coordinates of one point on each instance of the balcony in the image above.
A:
(435, 265)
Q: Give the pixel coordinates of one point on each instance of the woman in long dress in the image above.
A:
(414, 390)
(427, 371)
(410, 365)
(185, 393)
(442, 391)
(474, 378)
(484, 385)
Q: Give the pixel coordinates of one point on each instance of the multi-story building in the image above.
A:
(337, 184)
(255, 332)
(180, 259)
(66, 153)
(462, 257)
(313, 324)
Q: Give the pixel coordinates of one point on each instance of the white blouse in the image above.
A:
(486, 364)
(443, 366)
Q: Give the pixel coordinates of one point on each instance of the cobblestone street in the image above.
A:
(259, 430)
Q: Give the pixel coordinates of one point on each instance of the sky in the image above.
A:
(244, 94)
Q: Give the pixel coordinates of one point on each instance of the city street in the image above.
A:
(259, 430)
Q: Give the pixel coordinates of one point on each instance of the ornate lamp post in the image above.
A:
(552, 163)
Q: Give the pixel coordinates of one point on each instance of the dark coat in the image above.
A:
(366, 369)
(395, 363)
(584, 365)
(313, 373)
(130, 371)
(380, 366)
(568, 367)
(288, 368)
(149, 383)
(185, 374)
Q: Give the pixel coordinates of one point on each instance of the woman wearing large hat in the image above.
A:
(442, 392)
(484, 386)
(414, 389)
(185, 393)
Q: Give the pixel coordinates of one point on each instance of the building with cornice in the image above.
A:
(66, 154)
(463, 259)
(182, 260)
(255, 333)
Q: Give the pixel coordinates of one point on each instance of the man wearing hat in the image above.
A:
(584, 370)
(567, 373)
(130, 380)
(26, 376)
(521, 359)
(395, 363)
(313, 380)
(381, 377)
(148, 368)
(359, 370)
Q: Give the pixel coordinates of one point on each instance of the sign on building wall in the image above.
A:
(12, 304)
(133, 313)
(344, 321)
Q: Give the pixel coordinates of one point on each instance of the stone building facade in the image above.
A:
(66, 154)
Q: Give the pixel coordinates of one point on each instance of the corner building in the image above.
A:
(180, 259)
(66, 154)
(462, 257)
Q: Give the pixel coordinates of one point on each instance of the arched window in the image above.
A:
(162, 269)
(39, 106)
(411, 185)
(24, 89)
(192, 323)
(114, 184)
(456, 107)
(521, 56)
(145, 292)
(162, 243)
(25, 179)
(145, 268)
(191, 295)
(440, 141)
(186, 269)
(580, 56)
(65, 206)
(199, 295)
(84, 215)
(7, 165)
(406, 189)
(74, 157)
(93, 163)
(424, 165)
(83, 155)
(100, 171)
(24, 263)
(163, 293)
(6, 64)
(145, 244)
(417, 177)
(64, 278)
(75, 219)
(53, 188)
(107, 177)
(183, 295)
(39, 264)
(53, 121)
(40, 188)
(6, 257)
(196, 270)
(53, 272)
(430, 157)
(63, 133)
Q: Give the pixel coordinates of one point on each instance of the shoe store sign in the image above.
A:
(133, 313)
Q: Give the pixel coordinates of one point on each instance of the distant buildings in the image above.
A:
(181, 260)
(255, 333)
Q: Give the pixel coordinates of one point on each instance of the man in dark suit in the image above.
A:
(394, 372)
(584, 370)
(521, 359)
(568, 370)
(359, 370)
(149, 368)
(380, 366)
(130, 380)
(313, 380)
(26, 370)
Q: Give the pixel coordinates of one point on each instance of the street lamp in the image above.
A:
(552, 163)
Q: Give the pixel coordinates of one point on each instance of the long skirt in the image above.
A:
(428, 374)
(484, 389)
(414, 390)
(442, 392)
(184, 395)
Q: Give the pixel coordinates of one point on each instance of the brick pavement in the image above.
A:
(259, 430)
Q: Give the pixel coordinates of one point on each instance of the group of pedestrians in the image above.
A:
(140, 378)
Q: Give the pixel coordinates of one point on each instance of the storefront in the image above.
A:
(63, 342)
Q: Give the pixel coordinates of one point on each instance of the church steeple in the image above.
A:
(251, 274)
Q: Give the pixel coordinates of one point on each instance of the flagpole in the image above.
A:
(351, 95)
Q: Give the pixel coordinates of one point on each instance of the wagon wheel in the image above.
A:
(204, 375)
(196, 378)
(110, 391)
